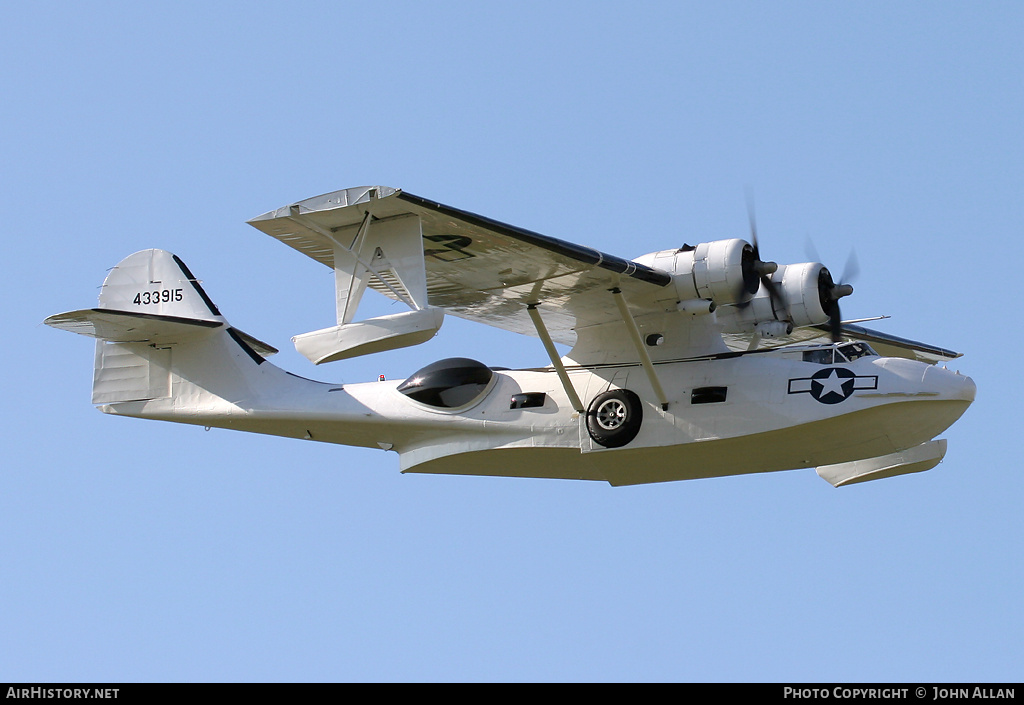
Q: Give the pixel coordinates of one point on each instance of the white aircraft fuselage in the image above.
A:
(759, 412)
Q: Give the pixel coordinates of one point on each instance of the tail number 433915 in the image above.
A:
(157, 296)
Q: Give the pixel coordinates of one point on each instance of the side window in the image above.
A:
(528, 400)
(822, 356)
(709, 395)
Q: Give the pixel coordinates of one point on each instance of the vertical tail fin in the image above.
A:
(155, 282)
(150, 307)
(150, 297)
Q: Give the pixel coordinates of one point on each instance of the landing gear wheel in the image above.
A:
(614, 418)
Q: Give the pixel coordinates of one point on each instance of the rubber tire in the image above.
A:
(614, 418)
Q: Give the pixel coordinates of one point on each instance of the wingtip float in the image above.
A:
(699, 361)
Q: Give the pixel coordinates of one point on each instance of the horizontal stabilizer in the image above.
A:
(916, 459)
(130, 327)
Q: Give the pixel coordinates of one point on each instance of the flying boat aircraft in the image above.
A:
(692, 362)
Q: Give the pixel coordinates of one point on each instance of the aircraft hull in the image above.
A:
(774, 416)
(861, 434)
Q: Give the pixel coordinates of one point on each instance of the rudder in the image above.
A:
(149, 303)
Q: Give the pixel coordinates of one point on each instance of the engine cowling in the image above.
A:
(805, 294)
(804, 290)
(722, 271)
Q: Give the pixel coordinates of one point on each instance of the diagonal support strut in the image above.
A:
(638, 343)
(556, 361)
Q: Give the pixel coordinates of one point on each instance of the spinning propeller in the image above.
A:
(829, 292)
(761, 269)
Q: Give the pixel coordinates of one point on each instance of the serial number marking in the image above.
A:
(158, 296)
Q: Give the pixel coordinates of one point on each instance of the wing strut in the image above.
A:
(556, 361)
(638, 343)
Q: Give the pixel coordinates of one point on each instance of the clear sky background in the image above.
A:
(136, 551)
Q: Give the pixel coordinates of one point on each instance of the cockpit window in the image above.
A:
(821, 356)
(448, 384)
(853, 351)
(848, 352)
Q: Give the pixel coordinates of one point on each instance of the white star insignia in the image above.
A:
(833, 384)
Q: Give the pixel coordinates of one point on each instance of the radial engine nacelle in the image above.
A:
(801, 294)
(722, 271)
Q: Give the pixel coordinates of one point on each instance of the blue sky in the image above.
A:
(140, 551)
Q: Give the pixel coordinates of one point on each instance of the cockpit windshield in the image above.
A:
(853, 351)
(835, 354)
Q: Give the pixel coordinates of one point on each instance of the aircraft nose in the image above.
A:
(954, 385)
(967, 388)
